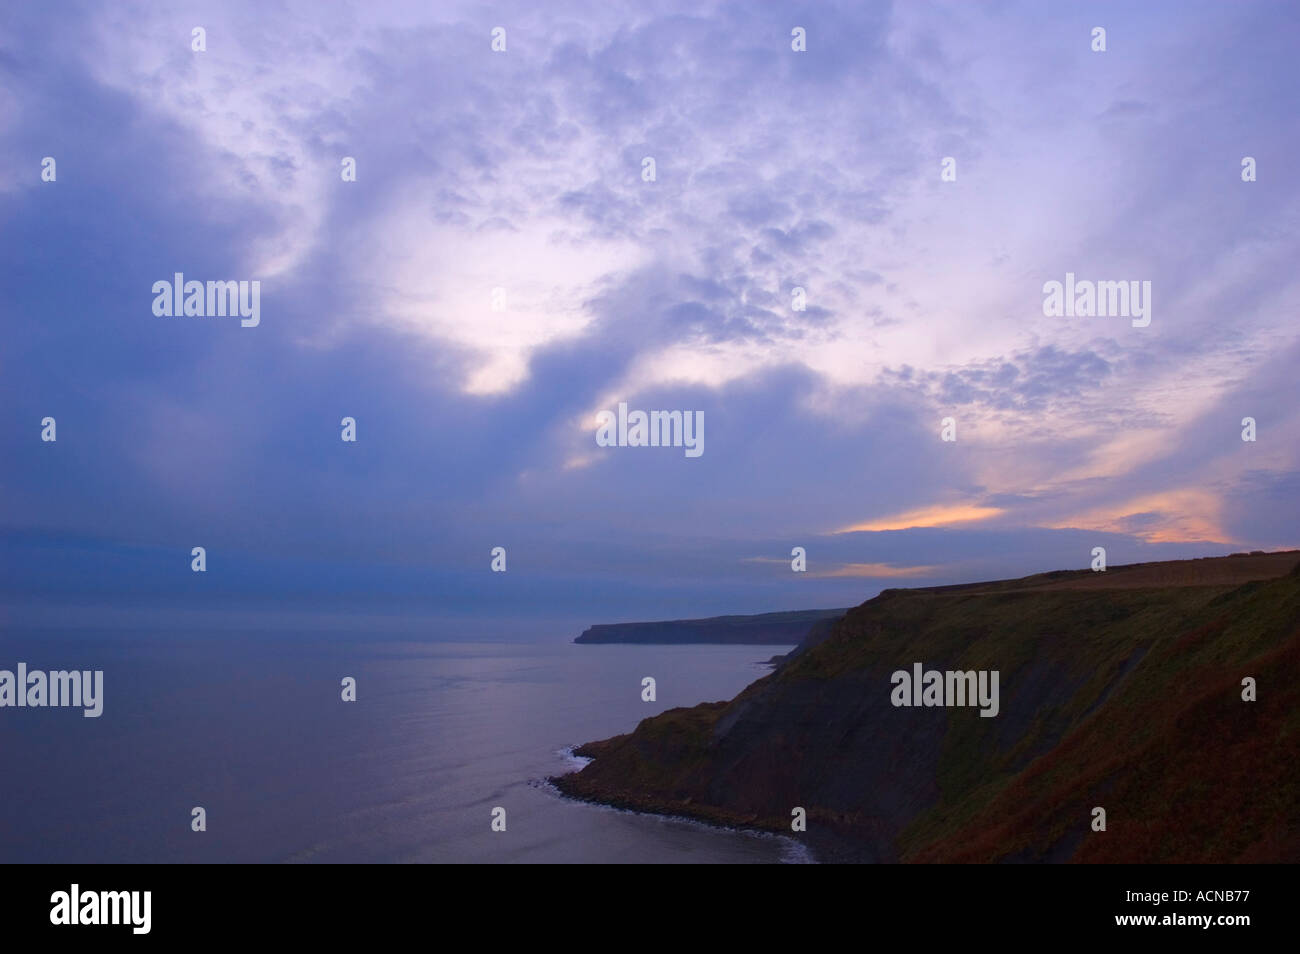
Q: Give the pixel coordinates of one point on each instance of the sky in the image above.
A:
(524, 170)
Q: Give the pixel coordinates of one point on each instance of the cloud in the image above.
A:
(522, 171)
(940, 515)
(1166, 517)
(878, 571)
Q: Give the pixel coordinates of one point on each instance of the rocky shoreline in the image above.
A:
(823, 847)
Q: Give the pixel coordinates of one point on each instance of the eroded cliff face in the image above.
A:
(1120, 690)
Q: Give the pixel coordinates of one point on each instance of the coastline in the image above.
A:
(805, 850)
(1151, 657)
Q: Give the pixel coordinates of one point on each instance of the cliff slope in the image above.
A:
(1120, 689)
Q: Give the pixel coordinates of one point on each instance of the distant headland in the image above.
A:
(764, 629)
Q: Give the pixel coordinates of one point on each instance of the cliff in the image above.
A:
(1120, 690)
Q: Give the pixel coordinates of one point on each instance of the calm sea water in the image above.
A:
(253, 729)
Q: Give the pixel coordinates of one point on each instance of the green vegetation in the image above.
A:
(1121, 690)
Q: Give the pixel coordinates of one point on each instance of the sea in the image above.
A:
(252, 728)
